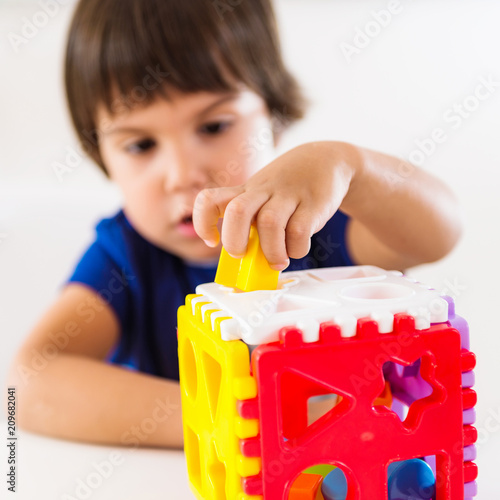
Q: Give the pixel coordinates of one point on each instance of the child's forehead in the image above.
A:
(173, 101)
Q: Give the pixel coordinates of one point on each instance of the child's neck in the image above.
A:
(202, 263)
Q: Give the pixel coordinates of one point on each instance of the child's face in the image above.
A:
(162, 155)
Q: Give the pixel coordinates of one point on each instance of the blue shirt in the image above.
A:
(145, 286)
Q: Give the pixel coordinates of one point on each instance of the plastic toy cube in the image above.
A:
(392, 351)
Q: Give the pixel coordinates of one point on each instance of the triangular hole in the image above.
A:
(306, 405)
(213, 372)
(317, 406)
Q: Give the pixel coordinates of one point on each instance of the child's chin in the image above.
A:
(199, 251)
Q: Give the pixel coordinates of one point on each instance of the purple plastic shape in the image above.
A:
(470, 489)
(469, 416)
(468, 379)
(458, 322)
(470, 453)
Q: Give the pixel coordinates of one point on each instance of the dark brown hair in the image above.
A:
(122, 53)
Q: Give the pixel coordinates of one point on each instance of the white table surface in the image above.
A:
(55, 469)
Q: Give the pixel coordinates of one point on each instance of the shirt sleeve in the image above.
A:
(98, 271)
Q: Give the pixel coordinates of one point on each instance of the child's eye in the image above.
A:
(141, 146)
(214, 128)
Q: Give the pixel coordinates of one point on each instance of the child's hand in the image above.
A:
(289, 200)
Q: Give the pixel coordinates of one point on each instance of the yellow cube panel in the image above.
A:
(210, 370)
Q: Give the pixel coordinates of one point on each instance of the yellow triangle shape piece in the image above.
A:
(252, 272)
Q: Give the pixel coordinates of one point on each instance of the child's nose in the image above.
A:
(181, 170)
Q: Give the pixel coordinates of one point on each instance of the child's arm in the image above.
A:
(69, 391)
(400, 215)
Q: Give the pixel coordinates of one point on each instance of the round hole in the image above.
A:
(377, 291)
(189, 370)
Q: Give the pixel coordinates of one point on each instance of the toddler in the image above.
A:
(181, 104)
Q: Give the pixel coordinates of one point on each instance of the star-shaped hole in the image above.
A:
(413, 389)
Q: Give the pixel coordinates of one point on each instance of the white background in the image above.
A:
(395, 92)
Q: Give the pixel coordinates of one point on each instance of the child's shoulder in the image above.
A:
(114, 224)
(120, 244)
(116, 232)
(116, 245)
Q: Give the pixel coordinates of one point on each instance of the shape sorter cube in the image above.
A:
(251, 360)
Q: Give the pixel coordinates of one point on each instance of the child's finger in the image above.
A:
(272, 221)
(238, 216)
(301, 226)
(209, 207)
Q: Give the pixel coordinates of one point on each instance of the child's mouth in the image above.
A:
(186, 227)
